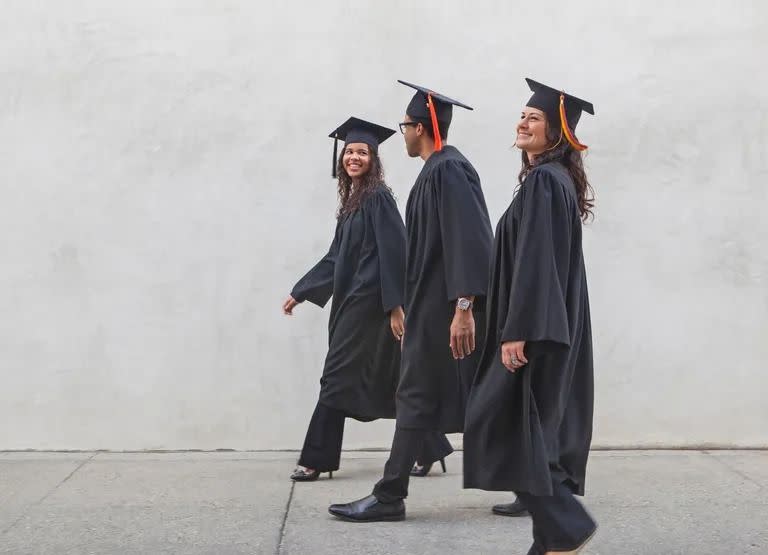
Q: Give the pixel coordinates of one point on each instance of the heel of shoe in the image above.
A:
(330, 475)
(442, 463)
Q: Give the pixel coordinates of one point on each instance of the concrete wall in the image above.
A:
(164, 180)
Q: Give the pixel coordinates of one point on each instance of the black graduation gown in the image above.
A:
(364, 273)
(525, 429)
(448, 254)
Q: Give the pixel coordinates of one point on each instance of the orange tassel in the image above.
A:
(435, 127)
(569, 136)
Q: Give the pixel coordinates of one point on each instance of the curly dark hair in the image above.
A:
(562, 152)
(351, 197)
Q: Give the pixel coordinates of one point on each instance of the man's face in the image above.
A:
(412, 133)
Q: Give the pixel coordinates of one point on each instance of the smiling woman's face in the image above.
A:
(357, 159)
(532, 131)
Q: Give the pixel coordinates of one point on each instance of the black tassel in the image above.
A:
(335, 156)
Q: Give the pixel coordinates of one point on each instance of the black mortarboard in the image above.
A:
(553, 102)
(356, 130)
(427, 105)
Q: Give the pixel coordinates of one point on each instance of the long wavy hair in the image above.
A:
(351, 197)
(562, 152)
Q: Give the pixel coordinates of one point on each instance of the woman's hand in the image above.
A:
(397, 322)
(288, 306)
(513, 356)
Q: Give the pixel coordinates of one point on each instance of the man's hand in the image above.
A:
(462, 334)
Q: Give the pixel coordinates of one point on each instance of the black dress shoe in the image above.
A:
(422, 471)
(301, 475)
(369, 509)
(510, 509)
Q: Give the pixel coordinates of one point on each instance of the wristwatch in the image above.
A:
(463, 304)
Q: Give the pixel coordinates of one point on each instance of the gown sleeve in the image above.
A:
(537, 309)
(317, 285)
(465, 232)
(389, 230)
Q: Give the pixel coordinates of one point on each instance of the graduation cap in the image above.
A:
(560, 107)
(356, 130)
(437, 108)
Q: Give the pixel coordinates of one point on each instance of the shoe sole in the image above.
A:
(513, 515)
(392, 518)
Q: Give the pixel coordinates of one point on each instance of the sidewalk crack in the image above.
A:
(47, 495)
(281, 537)
(734, 470)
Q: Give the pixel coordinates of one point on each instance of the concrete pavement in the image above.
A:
(646, 502)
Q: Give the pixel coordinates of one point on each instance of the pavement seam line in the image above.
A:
(735, 470)
(281, 537)
(47, 495)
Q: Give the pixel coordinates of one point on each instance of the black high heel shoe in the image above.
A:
(301, 475)
(422, 471)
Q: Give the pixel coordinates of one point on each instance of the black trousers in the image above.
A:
(407, 446)
(322, 444)
(560, 522)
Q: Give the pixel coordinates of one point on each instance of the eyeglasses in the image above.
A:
(406, 124)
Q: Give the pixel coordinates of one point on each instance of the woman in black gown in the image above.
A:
(529, 416)
(364, 273)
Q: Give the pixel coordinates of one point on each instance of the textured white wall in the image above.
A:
(164, 181)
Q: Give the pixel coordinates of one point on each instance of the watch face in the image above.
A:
(464, 304)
